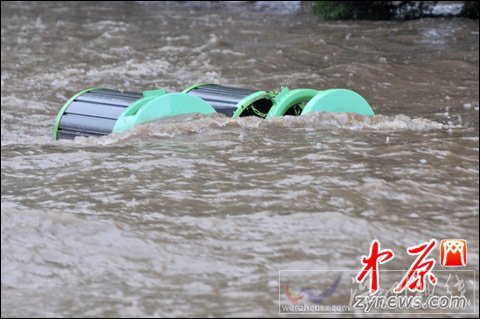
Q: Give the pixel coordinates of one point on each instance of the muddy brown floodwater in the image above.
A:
(195, 216)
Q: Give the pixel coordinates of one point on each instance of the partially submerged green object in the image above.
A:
(304, 101)
(236, 102)
(233, 102)
(98, 111)
(338, 101)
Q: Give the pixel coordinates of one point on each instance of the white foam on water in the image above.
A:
(197, 123)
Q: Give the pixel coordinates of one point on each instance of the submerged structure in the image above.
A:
(99, 111)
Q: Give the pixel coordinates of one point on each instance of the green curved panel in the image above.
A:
(196, 85)
(155, 107)
(286, 99)
(338, 100)
(250, 99)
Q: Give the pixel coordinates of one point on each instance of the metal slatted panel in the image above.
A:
(94, 113)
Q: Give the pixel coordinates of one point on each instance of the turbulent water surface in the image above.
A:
(195, 215)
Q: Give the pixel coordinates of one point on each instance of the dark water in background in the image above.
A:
(194, 216)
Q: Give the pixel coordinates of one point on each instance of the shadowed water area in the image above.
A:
(195, 215)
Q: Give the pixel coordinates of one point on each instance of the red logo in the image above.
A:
(370, 264)
(453, 252)
(421, 268)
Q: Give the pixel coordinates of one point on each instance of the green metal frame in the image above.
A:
(157, 104)
(195, 86)
(250, 99)
(64, 107)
